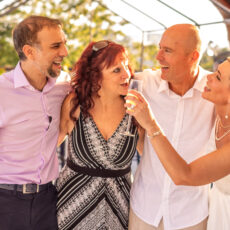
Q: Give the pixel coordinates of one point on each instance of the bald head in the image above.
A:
(185, 35)
(179, 56)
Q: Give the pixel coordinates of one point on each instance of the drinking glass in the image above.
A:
(136, 85)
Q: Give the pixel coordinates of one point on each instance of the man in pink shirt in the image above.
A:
(30, 102)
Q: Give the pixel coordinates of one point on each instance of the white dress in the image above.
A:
(219, 199)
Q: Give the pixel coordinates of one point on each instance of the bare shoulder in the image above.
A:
(69, 98)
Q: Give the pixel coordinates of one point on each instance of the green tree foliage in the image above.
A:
(83, 21)
(207, 61)
(8, 57)
(148, 58)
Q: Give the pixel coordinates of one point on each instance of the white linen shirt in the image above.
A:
(187, 122)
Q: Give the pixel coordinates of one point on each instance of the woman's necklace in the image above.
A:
(217, 128)
(224, 126)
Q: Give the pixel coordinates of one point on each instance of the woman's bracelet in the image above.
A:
(154, 134)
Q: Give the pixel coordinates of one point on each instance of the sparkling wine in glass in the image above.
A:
(136, 85)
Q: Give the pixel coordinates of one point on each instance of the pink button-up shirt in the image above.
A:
(29, 124)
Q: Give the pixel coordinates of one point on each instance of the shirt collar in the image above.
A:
(198, 85)
(164, 86)
(20, 80)
(50, 84)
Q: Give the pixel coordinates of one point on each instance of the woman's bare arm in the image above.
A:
(66, 123)
(204, 170)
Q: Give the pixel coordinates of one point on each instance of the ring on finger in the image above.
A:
(132, 106)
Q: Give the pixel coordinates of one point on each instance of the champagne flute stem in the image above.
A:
(129, 123)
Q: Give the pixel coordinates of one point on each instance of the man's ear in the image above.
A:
(195, 55)
(29, 51)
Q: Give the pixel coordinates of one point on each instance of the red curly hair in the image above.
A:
(88, 72)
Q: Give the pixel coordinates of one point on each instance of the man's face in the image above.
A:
(173, 58)
(50, 51)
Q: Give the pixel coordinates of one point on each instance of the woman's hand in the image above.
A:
(137, 106)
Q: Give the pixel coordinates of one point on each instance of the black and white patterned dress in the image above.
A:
(87, 202)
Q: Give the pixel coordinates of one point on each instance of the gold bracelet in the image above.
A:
(155, 134)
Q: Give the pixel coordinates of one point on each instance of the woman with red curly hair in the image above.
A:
(94, 185)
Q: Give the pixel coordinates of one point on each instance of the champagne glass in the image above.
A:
(136, 85)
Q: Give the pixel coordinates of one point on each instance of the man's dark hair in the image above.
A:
(25, 33)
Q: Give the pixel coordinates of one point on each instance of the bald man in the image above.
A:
(174, 94)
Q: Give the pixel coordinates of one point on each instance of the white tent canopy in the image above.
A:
(153, 16)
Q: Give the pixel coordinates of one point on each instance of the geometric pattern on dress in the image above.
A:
(86, 202)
